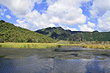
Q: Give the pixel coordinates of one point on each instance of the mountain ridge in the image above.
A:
(12, 33)
(58, 33)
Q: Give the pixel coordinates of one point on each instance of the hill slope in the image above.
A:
(11, 33)
(59, 33)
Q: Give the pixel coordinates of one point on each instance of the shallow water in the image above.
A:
(64, 60)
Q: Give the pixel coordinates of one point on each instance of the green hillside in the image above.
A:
(99, 36)
(11, 33)
(59, 33)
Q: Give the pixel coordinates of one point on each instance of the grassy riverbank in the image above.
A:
(31, 45)
(50, 45)
(27, 45)
(97, 46)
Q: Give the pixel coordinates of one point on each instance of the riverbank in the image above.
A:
(50, 45)
(97, 46)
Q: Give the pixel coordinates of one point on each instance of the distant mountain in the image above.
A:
(59, 33)
(11, 33)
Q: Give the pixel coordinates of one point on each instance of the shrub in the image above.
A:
(59, 46)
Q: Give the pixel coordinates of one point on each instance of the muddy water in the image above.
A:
(55, 60)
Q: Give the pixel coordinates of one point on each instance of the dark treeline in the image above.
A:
(59, 33)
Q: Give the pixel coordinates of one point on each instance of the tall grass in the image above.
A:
(27, 45)
(97, 46)
(50, 45)
(33, 45)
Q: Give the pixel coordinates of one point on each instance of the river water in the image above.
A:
(55, 60)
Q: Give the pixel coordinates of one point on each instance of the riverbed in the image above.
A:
(68, 59)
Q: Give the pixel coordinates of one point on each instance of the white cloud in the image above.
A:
(2, 11)
(99, 7)
(104, 22)
(23, 24)
(5, 10)
(85, 28)
(59, 11)
(19, 7)
(92, 25)
(8, 16)
(38, 1)
(68, 28)
(34, 21)
(72, 29)
(66, 12)
(50, 2)
(101, 10)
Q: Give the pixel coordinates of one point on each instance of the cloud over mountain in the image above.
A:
(29, 13)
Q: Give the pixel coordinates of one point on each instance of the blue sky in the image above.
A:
(76, 15)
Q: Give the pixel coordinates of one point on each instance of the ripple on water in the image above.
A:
(49, 61)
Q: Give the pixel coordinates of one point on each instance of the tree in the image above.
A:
(1, 40)
(29, 40)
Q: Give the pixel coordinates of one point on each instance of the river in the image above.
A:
(55, 60)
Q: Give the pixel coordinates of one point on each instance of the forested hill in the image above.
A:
(59, 33)
(11, 33)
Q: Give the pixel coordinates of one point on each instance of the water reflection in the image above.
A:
(34, 64)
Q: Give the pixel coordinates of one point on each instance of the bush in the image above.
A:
(1, 40)
(2, 21)
(59, 46)
(0, 45)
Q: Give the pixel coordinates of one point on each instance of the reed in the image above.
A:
(97, 46)
(50, 45)
(27, 45)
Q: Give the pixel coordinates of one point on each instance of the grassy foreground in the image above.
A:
(30, 45)
(50, 45)
(27, 45)
(97, 46)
